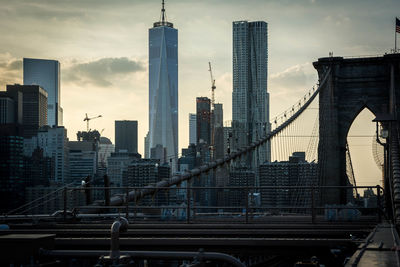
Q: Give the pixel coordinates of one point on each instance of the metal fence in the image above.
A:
(234, 204)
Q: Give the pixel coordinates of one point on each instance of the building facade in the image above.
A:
(7, 113)
(192, 128)
(54, 142)
(250, 98)
(46, 74)
(163, 87)
(294, 172)
(11, 171)
(117, 163)
(82, 161)
(203, 120)
(126, 136)
(34, 107)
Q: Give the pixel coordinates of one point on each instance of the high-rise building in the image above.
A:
(11, 170)
(147, 146)
(106, 147)
(163, 87)
(7, 112)
(117, 163)
(192, 128)
(203, 118)
(82, 161)
(46, 74)
(126, 136)
(250, 99)
(218, 131)
(54, 142)
(34, 107)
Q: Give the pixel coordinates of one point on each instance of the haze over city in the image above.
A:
(103, 50)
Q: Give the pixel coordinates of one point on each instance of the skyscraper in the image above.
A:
(46, 74)
(250, 99)
(163, 87)
(126, 136)
(203, 118)
(34, 107)
(192, 128)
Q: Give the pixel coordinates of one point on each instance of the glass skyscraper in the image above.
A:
(163, 87)
(46, 74)
(250, 98)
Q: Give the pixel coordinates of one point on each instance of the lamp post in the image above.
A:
(383, 123)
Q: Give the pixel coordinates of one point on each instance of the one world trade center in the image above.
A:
(163, 88)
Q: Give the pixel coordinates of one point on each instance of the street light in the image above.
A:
(385, 120)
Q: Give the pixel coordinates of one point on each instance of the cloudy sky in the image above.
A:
(102, 47)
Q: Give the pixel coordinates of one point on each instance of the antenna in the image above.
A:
(163, 13)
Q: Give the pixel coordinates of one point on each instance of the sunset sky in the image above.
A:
(102, 46)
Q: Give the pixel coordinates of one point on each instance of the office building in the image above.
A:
(203, 120)
(218, 132)
(106, 147)
(11, 170)
(126, 136)
(46, 74)
(141, 173)
(160, 153)
(117, 163)
(192, 129)
(163, 87)
(38, 169)
(147, 146)
(7, 112)
(250, 99)
(294, 172)
(34, 107)
(54, 142)
(82, 161)
(240, 177)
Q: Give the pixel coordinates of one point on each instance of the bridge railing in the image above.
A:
(242, 204)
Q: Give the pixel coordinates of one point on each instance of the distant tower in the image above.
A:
(250, 98)
(34, 107)
(126, 136)
(203, 118)
(46, 74)
(192, 128)
(163, 87)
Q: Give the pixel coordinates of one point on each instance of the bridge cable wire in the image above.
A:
(234, 155)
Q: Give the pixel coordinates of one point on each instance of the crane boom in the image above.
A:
(87, 119)
(213, 87)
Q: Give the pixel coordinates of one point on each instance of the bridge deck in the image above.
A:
(380, 249)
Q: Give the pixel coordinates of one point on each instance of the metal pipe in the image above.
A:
(162, 255)
(120, 225)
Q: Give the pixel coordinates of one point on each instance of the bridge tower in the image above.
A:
(353, 84)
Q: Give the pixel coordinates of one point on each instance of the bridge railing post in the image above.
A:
(127, 204)
(247, 203)
(65, 202)
(378, 204)
(188, 202)
(312, 205)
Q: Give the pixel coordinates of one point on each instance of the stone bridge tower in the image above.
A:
(353, 84)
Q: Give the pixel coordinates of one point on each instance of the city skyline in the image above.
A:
(291, 72)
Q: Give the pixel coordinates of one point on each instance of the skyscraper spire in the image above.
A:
(163, 18)
(163, 13)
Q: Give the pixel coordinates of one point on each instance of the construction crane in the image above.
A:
(213, 87)
(87, 119)
(212, 148)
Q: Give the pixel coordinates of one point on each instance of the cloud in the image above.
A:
(294, 76)
(103, 71)
(10, 70)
